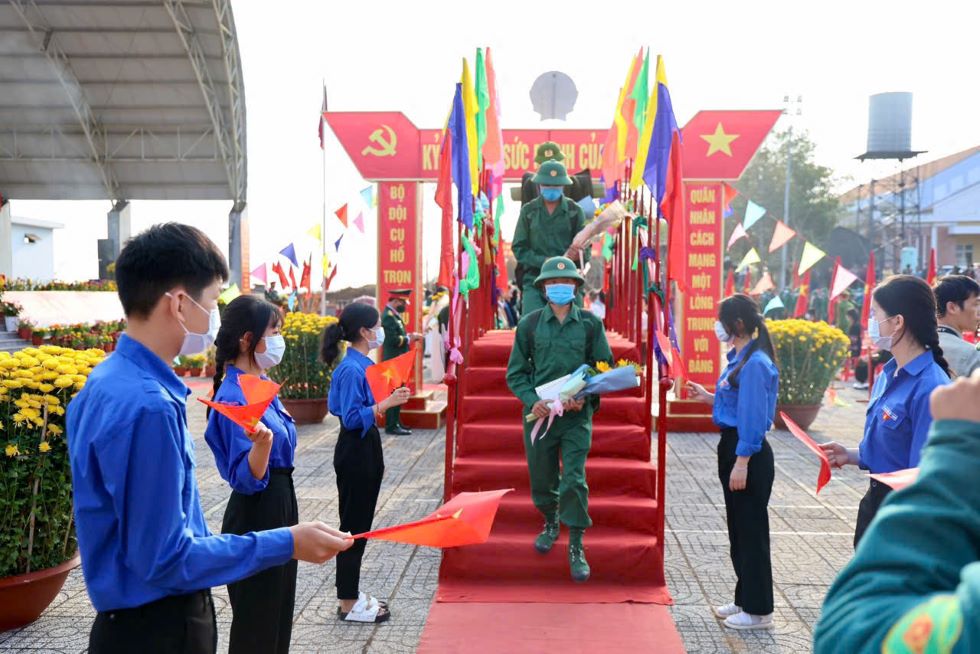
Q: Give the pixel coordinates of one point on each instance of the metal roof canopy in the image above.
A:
(121, 99)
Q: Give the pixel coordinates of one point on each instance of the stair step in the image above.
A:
(605, 475)
(495, 350)
(616, 556)
(636, 514)
(625, 441)
(683, 423)
(614, 409)
(492, 380)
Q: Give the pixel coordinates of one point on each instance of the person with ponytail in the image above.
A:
(902, 321)
(357, 458)
(744, 404)
(258, 466)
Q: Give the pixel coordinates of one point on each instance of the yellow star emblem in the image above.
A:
(388, 374)
(719, 141)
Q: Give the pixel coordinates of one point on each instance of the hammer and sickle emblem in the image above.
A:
(386, 141)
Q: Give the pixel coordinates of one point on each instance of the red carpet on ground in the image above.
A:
(621, 546)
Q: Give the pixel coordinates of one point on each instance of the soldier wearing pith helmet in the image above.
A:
(550, 343)
(545, 229)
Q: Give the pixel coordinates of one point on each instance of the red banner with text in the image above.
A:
(703, 272)
(400, 250)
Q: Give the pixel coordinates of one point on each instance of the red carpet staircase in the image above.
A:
(621, 547)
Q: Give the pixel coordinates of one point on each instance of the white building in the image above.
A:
(27, 247)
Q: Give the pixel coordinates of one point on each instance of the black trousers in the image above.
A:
(870, 503)
(179, 623)
(360, 465)
(262, 605)
(747, 512)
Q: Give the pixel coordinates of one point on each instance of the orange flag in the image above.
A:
(780, 236)
(385, 377)
(804, 438)
(259, 394)
(898, 479)
(464, 520)
(341, 214)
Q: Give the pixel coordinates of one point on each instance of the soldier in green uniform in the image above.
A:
(396, 342)
(552, 342)
(545, 229)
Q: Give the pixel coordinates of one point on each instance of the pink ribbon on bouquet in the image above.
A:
(557, 409)
(454, 354)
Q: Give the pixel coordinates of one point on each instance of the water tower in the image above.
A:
(890, 138)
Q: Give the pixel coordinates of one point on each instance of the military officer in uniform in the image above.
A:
(550, 343)
(545, 229)
(396, 342)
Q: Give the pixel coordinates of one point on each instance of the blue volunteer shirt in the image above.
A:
(350, 397)
(898, 417)
(231, 446)
(141, 530)
(751, 405)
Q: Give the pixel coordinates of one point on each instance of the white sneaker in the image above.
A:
(746, 621)
(861, 386)
(728, 609)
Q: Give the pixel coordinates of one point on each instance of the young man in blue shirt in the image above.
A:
(148, 557)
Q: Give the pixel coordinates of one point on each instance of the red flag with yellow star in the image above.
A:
(259, 394)
(803, 299)
(385, 377)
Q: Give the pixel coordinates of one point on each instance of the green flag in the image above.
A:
(640, 94)
(498, 212)
(607, 247)
(482, 100)
(471, 278)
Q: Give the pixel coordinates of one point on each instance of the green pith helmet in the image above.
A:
(548, 151)
(552, 173)
(559, 268)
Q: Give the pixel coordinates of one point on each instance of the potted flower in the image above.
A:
(305, 380)
(210, 367)
(809, 355)
(25, 329)
(195, 364)
(37, 537)
(40, 335)
(10, 312)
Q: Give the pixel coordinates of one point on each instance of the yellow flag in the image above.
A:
(643, 146)
(752, 256)
(811, 255)
(315, 232)
(619, 119)
(326, 264)
(229, 294)
(470, 109)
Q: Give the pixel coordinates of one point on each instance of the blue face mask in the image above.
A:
(551, 193)
(560, 294)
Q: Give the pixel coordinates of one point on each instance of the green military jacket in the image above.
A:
(554, 350)
(540, 236)
(396, 338)
(914, 582)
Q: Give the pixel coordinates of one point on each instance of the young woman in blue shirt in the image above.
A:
(358, 459)
(903, 321)
(258, 466)
(744, 404)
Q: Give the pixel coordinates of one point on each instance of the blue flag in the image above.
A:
(775, 303)
(336, 245)
(290, 253)
(291, 301)
(658, 156)
(588, 206)
(368, 196)
(461, 159)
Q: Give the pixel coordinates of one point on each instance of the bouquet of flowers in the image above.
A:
(582, 383)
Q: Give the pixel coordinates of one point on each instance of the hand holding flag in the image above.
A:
(259, 394)
(385, 377)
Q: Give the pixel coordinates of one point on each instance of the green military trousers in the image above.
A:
(532, 298)
(561, 489)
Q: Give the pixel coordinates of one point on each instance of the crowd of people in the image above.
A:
(149, 559)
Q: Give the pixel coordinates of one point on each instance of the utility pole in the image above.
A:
(791, 107)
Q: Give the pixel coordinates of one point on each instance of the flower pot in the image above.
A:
(11, 322)
(24, 333)
(36, 340)
(180, 372)
(307, 412)
(210, 371)
(23, 598)
(196, 372)
(801, 414)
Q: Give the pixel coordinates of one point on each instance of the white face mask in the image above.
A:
(379, 338)
(275, 347)
(722, 333)
(874, 332)
(195, 343)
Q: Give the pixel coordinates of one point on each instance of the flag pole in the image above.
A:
(323, 219)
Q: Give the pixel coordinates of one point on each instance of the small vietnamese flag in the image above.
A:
(898, 479)
(385, 377)
(804, 438)
(931, 275)
(259, 394)
(464, 520)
